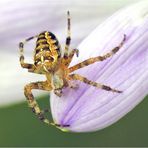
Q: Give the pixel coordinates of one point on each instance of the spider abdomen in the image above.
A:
(47, 48)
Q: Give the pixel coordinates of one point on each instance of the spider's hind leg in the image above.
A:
(33, 103)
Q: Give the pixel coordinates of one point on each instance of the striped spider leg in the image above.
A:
(34, 85)
(91, 61)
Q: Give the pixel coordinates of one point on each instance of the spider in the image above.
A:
(49, 61)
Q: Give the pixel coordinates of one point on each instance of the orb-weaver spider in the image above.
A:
(49, 61)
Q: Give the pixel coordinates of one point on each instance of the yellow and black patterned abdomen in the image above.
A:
(47, 48)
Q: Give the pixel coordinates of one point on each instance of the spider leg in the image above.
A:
(98, 58)
(70, 56)
(68, 39)
(21, 50)
(98, 85)
(31, 100)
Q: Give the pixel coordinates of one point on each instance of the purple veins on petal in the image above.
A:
(88, 108)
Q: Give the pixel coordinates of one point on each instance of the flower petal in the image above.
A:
(89, 109)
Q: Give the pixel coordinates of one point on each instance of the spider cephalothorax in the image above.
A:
(48, 60)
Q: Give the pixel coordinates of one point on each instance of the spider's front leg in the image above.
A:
(33, 103)
(70, 56)
(98, 58)
(89, 82)
(30, 67)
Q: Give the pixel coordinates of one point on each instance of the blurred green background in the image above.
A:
(19, 127)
